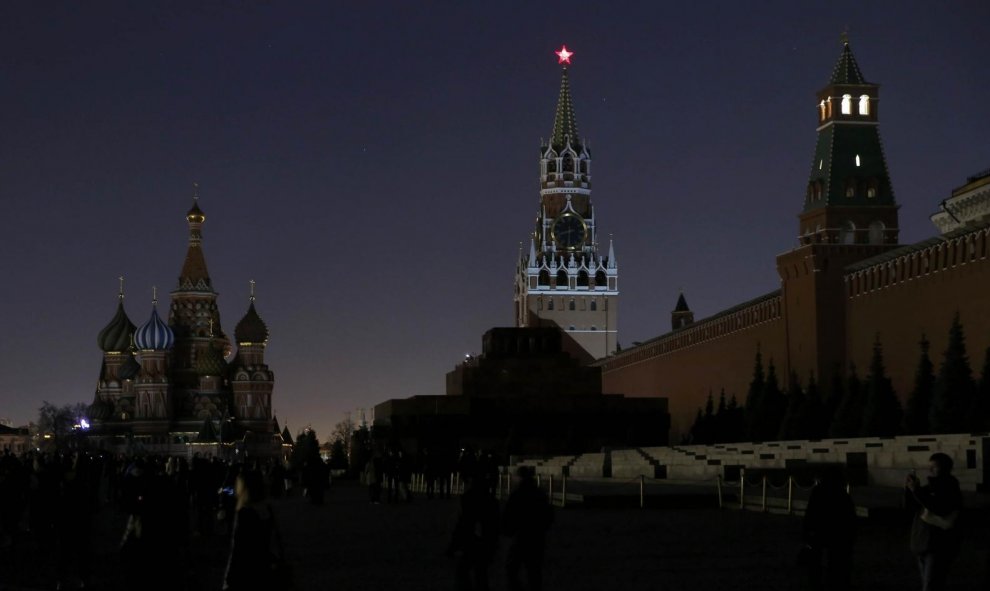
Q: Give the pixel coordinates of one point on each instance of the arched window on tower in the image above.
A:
(818, 190)
(593, 306)
(850, 188)
(871, 188)
(828, 107)
(821, 111)
(876, 232)
(601, 281)
(571, 305)
(544, 279)
(847, 107)
(562, 279)
(582, 278)
(568, 164)
(847, 233)
(549, 303)
(864, 104)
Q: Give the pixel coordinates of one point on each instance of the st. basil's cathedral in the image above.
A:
(164, 386)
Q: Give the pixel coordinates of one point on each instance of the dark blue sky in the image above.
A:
(374, 165)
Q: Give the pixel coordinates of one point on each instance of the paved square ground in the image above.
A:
(350, 544)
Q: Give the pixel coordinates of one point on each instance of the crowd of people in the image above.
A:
(50, 500)
(391, 471)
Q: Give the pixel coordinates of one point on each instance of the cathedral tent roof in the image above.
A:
(681, 304)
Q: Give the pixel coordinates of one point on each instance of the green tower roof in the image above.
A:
(846, 70)
(564, 123)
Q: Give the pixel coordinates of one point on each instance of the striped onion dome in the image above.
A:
(154, 335)
(116, 336)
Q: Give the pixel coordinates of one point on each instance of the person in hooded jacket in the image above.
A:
(526, 519)
(935, 536)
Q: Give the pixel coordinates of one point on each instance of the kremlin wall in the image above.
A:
(847, 285)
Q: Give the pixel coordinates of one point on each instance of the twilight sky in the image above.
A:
(374, 165)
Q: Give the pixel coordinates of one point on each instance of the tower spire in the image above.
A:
(564, 123)
(194, 275)
(846, 70)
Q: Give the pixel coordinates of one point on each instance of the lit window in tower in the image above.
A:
(847, 104)
(864, 105)
(857, 160)
(821, 111)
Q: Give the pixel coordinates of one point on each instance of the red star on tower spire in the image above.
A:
(564, 56)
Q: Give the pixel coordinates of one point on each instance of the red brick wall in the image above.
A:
(900, 300)
(687, 373)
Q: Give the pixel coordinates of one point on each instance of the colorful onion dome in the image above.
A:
(129, 369)
(251, 328)
(116, 336)
(154, 335)
(211, 362)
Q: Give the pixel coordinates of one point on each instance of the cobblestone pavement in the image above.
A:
(350, 544)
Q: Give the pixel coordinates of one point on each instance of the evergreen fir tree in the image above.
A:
(920, 401)
(754, 399)
(832, 401)
(882, 412)
(720, 428)
(954, 385)
(813, 426)
(772, 406)
(708, 423)
(792, 424)
(736, 421)
(696, 428)
(980, 412)
(850, 412)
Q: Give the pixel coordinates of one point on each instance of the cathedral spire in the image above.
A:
(565, 128)
(194, 275)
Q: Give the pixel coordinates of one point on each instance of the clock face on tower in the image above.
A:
(569, 231)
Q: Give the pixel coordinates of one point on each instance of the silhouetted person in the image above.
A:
(829, 534)
(444, 472)
(429, 465)
(404, 471)
(255, 548)
(934, 533)
(391, 470)
(528, 515)
(475, 537)
(373, 479)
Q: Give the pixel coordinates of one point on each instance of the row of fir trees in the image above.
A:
(949, 401)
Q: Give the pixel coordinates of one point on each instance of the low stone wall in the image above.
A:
(872, 461)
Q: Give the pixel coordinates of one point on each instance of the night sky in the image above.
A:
(374, 167)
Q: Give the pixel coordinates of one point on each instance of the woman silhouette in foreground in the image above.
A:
(255, 547)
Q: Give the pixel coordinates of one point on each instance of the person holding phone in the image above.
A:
(936, 505)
